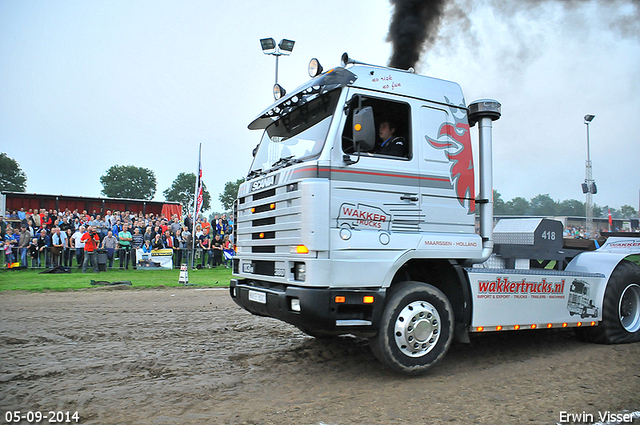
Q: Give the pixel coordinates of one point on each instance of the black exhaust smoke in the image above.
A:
(414, 28)
(415, 24)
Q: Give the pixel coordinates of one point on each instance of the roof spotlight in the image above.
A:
(315, 68)
(278, 91)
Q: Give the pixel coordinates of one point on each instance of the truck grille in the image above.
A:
(268, 224)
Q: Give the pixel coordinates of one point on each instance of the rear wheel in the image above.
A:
(416, 328)
(620, 309)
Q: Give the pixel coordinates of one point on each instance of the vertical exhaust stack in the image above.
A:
(484, 112)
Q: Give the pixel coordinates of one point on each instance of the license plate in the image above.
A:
(259, 297)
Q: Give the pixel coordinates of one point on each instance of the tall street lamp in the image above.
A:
(269, 47)
(589, 185)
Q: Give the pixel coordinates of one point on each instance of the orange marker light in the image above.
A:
(261, 235)
(367, 299)
(534, 326)
(549, 325)
(340, 299)
(564, 325)
(579, 324)
(357, 127)
(593, 323)
(253, 210)
(516, 327)
(301, 249)
(272, 206)
(480, 328)
(498, 328)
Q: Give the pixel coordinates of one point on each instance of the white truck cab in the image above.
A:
(341, 232)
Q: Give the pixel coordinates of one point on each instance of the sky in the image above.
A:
(85, 85)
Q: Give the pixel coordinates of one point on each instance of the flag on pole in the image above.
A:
(197, 202)
(610, 219)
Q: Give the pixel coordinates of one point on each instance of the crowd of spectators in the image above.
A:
(40, 238)
(53, 238)
(581, 232)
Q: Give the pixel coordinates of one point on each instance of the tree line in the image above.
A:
(546, 206)
(128, 181)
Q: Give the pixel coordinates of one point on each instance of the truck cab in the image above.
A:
(322, 209)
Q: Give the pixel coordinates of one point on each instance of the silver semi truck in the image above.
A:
(358, 216)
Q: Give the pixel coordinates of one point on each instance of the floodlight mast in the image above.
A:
(589, 183)
(269, 47)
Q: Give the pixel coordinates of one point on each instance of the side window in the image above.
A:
(393, 128)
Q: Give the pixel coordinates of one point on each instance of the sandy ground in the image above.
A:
(186, 356)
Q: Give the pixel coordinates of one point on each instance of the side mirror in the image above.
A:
(364, 129)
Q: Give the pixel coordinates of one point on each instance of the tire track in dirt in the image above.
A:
(174, 356)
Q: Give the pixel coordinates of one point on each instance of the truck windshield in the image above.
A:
(297, 135)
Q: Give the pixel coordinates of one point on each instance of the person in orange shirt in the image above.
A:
(206, 227)
(91, 241)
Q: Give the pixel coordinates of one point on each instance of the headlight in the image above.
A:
(299, 271)
(295, 304)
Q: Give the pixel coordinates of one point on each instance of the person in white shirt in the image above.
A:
(78, 245)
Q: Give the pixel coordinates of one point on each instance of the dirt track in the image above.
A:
(183, 356)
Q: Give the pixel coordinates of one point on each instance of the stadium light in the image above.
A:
(589, 185)
(284, 48)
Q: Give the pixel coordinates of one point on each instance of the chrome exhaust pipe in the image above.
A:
(484, 112)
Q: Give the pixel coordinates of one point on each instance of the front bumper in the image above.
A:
(313, 310)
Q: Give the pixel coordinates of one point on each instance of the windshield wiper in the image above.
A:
(281, 161)
(255, 173)
(284, 162)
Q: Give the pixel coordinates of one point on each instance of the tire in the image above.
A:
(620, 309)
(416, 328)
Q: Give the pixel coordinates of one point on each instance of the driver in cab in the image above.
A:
(391, 144)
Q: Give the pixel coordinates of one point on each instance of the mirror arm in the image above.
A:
(347, 158)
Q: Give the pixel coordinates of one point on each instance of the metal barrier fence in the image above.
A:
(69, 257)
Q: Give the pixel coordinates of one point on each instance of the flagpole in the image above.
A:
(195, 206)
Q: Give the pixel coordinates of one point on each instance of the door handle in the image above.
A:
(412, 198)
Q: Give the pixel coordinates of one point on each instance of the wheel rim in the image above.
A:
(417, 329)
(629, 308)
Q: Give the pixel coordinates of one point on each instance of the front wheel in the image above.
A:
(416, 328)
(620, 308)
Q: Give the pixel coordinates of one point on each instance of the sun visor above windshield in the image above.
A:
(310, 90)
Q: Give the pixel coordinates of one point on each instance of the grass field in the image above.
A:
(32, 280)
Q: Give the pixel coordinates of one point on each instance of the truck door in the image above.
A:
(376, 200)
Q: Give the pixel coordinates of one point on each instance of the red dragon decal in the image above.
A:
(457, 146)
